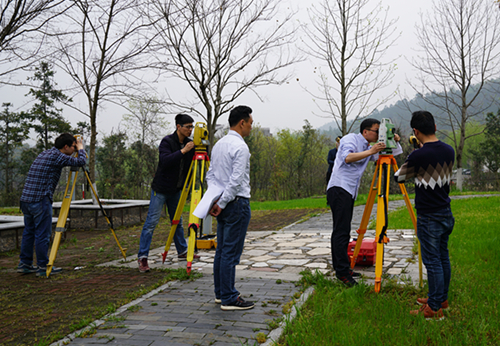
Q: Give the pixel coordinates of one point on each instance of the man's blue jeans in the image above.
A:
(232, 224)
(433, 232)
(154, 212)
(37, 231)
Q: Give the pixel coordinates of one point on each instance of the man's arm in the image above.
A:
(406, 171)
(331, 156)
(169, 156)
(353, 157)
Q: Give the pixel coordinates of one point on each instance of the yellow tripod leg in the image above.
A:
(61, 221)
(382, 201)
(200, 160)
(110, 224)
(178, 212)
(414, 221)
(366, 217)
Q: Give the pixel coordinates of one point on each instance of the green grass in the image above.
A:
(303, 203)
(15, 211)
(337, 316)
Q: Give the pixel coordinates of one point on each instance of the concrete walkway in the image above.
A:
(184, 313)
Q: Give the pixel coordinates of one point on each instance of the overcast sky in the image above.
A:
(285, 106)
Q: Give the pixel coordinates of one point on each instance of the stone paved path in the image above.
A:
(184, 313)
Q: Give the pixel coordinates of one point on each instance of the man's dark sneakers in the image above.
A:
(219, 301)
(355, 274)
(238, 304)
(42, 272)
(184, 256)
(347, 280)
(26, 269)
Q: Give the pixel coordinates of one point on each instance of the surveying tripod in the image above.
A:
(383, 165)
(194, 183)
(63, 215)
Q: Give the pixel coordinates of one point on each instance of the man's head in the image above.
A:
(184, 124)
(369, 129)
(423, 121)
(66, 143)
(240, 120)
(337, 141)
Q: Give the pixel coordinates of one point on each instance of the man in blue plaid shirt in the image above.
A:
(36, 201)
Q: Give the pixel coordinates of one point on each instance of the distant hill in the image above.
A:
(401, 115)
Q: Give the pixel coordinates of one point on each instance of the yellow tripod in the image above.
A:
(194, 183)
(383, 168)
(63, 215)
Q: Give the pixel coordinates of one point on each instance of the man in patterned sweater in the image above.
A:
(431, 166)
(36, 201)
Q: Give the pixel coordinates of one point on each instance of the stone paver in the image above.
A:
(184, 313)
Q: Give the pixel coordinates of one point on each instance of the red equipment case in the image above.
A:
(367, 253)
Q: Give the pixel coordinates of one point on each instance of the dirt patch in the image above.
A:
(272, 220)
(39, 311)
(35, 311)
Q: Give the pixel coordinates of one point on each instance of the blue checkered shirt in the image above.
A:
(45, 172)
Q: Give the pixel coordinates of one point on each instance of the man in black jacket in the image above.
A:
(176, 154)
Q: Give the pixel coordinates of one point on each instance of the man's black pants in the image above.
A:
(341, 204)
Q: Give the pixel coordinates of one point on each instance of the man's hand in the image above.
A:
(79, 143)
(396, 137)
(378, 147)
(187, 148)
(216, 210)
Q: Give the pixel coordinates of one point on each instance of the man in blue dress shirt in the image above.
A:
(354, 153)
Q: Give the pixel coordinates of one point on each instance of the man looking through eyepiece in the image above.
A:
(354, 153)
(176, 153)
(36, 201)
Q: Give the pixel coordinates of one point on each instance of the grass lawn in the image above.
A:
(335, 315)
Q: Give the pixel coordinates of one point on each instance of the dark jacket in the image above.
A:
(173, 166)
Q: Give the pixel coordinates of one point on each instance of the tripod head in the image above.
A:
(200, 136)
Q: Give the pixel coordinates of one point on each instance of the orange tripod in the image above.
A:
(383, 168)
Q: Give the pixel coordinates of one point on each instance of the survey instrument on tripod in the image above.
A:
(63, 214)
(380, 188)
(194, 185)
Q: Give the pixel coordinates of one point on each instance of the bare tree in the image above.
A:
(352, 40)
(21, 26)
(102, 46)
(459, 56)
(221, 49)
(145, 122)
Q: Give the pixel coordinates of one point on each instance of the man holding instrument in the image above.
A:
(354, 153)
(176, 152)
(36, 201)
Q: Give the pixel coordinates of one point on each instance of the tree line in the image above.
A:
(117, 50)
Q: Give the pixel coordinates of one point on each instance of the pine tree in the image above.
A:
(49, 121)
(13, 132)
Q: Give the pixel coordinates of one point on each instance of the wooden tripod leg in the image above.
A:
(178, 212)
(366, 218)
(61, 221)
(414, 221)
